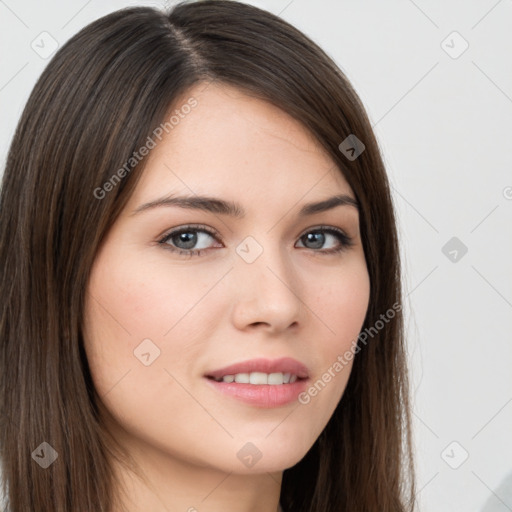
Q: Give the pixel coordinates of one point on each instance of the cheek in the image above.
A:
(131, 300)
(142, 297)
(341, 307)
(341, 304)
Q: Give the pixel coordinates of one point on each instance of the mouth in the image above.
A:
(261, 382)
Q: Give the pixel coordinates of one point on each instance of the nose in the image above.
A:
(267, 293)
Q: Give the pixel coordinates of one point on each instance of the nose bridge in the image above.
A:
(262, 257)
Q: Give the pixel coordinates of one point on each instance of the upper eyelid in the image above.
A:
(191, 227)
(214, 233)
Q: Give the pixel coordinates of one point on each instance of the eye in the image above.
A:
(182, 240)
(186, 237)
(317, 238)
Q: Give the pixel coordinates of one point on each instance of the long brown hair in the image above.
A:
(96, 103)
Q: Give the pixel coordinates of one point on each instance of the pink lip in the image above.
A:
(282, 365)
(264, 395)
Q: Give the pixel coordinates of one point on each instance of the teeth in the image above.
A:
(242, 378)
(259, 378)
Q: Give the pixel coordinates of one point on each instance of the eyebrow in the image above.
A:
(233, 209)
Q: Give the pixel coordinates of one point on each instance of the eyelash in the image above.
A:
(346, 241)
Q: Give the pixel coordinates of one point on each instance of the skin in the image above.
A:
(208, 311)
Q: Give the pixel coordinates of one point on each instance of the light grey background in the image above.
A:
(443, 120)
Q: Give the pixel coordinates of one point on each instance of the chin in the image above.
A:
(266, 455)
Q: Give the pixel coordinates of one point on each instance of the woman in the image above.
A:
(201, 280)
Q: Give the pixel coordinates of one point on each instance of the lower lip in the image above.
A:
(263, 395)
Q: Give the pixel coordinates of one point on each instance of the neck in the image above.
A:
(163, 483)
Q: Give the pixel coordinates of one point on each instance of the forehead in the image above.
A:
(230, 143)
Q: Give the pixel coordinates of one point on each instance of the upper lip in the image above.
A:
(282, 365)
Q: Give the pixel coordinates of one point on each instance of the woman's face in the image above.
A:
(264, 286)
